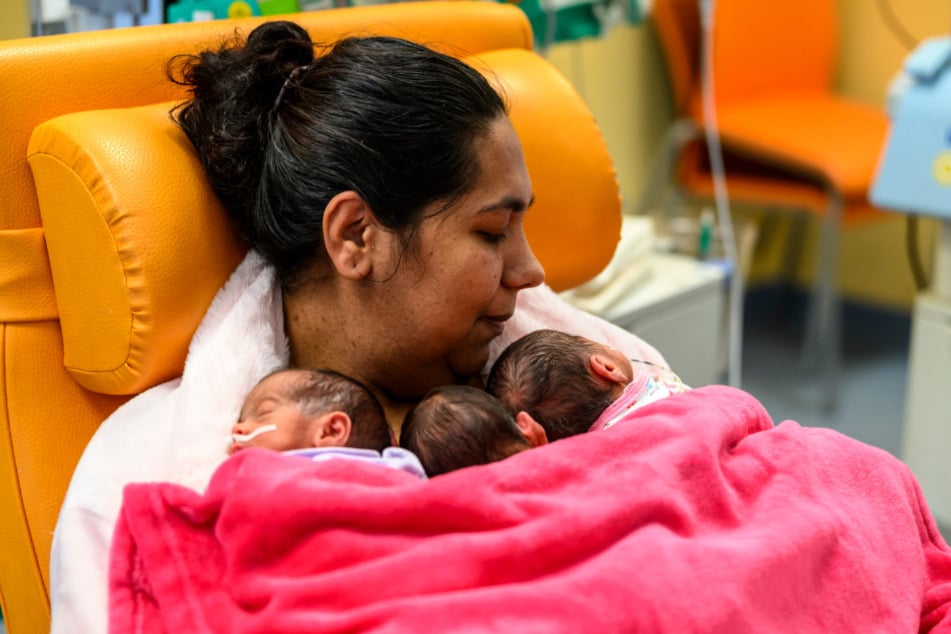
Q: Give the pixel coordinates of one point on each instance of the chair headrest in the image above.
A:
(139, 244)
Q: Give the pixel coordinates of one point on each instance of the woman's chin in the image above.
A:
(471, 362)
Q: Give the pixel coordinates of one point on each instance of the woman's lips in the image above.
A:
(495, 324)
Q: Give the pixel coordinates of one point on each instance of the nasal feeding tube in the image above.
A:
(245, 438)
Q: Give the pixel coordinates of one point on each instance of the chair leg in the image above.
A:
(791, 229)
(678, 134)
(795, 240)
(822, 344)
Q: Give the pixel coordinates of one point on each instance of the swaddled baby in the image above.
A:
(545, 386)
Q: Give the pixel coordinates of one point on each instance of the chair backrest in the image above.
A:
(677, 25)
(759, 47)
(752, 42)
(773, 47)
(98, 302)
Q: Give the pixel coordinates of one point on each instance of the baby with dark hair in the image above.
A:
(563, 381)
(458, 426)
(571, 384)
(319, 414)
(545, 386)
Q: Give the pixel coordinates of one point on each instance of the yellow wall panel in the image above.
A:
(14, 19)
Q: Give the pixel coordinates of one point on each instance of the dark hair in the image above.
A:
(545, 373)
(319, 391)
(457, 426)
(392, 120)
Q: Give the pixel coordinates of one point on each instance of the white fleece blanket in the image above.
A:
(178, 431)
(175, 432)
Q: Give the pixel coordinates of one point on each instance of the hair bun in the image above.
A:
(282, 45)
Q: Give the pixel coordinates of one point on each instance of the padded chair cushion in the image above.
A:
(139, 244)
(833, 138)
(137, 240)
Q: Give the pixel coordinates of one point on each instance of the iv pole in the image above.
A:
(721, 197)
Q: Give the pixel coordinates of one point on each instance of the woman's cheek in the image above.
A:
(491, 263)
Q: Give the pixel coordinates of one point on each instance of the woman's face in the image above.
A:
(455, 288)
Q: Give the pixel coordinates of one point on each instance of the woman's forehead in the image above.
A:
(503, 184)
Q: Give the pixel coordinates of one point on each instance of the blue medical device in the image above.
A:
(914, 172)
(914, 177)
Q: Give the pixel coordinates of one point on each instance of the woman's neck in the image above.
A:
(324, 332)
(335, 324)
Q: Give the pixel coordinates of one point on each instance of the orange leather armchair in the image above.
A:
(112, 244)
(790, 144)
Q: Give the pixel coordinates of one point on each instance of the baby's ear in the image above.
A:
(331, 430)
(601, 365)
(532, 430)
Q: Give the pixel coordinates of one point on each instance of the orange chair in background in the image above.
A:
(789, 143)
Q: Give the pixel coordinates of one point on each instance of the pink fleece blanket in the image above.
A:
(697, 515)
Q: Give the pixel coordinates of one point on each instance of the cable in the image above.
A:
(37, 6)
(551, 25)
(914, 256)
(724, 218)
(909, 41)
(895, 25)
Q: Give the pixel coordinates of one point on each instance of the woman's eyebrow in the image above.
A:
(508, 202)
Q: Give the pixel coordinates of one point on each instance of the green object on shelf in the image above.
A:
(577, 22)
(200, 10)
(705, 235)
(278, 7)
(633, 10)
(554, 21)
(560, 24)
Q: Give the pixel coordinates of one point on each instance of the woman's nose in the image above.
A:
(523, 269)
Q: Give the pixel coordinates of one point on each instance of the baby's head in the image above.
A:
(458, 426)
(301, 408)
(563, 381)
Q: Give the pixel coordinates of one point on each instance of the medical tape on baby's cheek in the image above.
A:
(263, 429)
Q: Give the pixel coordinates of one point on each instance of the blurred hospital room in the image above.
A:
(843, 322)
(785, 174)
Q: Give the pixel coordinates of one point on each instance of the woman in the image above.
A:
(390, 180)
(382, 191)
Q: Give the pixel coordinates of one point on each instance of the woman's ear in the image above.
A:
(532, 430)
(603, 366)
(331, 430)
(348, 223)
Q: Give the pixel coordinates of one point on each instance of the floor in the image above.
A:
(874, 369)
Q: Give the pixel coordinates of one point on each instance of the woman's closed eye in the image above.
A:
(493, 237)
(493, 224)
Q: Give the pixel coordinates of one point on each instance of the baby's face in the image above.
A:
(270, 418)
